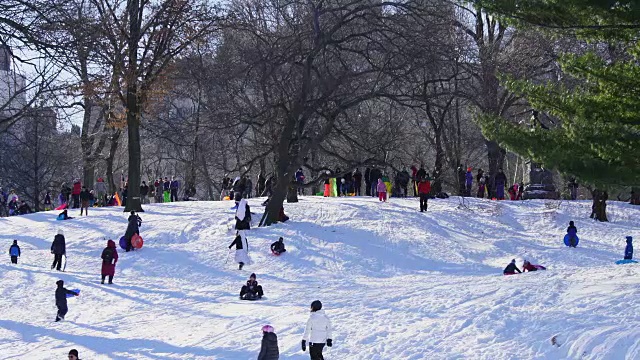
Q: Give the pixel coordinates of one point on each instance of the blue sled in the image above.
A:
(77, 291)
(566, 240)
(621, 262)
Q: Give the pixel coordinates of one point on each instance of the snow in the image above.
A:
(396, 283)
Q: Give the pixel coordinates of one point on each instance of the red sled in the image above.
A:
(276, 253)
(62, 207)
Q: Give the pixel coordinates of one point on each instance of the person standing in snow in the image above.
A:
(251, 290)
(85, 198)
(269, 349)
(381, 188)
(109, 259)
(300, 181)
(468, 181)
(14, 252)
(403, 179)
(573, 188)
(357, 182)
(375, 175)
(480, 179)
(144, 193)
(100, 189)
(242, 250)
(174, 186)
(367, 182)
(133, 228)
(317, 332)
(500, 182)
(628, 251)
(61, 300)
(572, 231)
(77, 189)
(424, 189)
(58, 248)
(511, 268)
(47, 201)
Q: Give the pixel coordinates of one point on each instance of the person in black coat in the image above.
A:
(374, 175)
(61, 300)
(269, 349)
(367, 181)
(252, 289)
(511, 268)
(58, 248)
(132, 229)
(278, 247)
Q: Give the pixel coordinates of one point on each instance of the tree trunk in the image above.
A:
(115, 137)
(635, 196)
(272, 210)
(599, 207)
(437, 167)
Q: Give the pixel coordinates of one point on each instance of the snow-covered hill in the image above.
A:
(397, 283)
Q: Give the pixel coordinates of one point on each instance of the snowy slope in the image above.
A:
(397, 283)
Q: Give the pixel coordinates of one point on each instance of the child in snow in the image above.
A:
(382, 191)
(628, 251)
(511, 268)
(572, 231)
(277, 247)
(14, 252)
(64, 216)
(252, 290)
(85, 199)
(242, 250)
(109, 260)
(58, 248)
(317, 332)
(61, 300)
(133, 228)
(269, 349)
(73, 354)
(530, 267)
(424, 189)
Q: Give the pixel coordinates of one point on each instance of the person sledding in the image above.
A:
(572, 235)
(251, 291)
(528, 266)
(64, 215)
(269, 349)
(61, 300)
(277, 247)
(242, 250)
(14, 252)
(133, 228)
(109, 259)
(628, 250)
(511, 268)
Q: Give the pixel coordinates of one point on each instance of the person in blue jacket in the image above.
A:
(14, 252)
(628, 251)
(572, 231)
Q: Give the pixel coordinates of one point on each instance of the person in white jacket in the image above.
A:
(317, 332)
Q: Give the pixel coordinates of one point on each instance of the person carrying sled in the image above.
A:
(58, 248)
(85, 199)
(317, 332)
(109, 260)
(269, 349)
(251, 290)
(64, 215)
(133, 228)
(511, 268)
(14, 252)
(572, 231)
(628, 251)
(528, 266)
(61, 300)
(242, 250)
(277, 247)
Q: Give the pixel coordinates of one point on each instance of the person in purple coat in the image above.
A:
(468, 181)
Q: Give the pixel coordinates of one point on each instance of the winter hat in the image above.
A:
(513, 261)
(629, 239)
(60, 232)
(15, 242)
(316, 305)
(252, 276)
(60, 283)
(133, 212)
(571, 223)
(268, 329)
(281, 239)
(73, 352)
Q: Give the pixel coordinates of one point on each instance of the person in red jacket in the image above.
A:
(424, 188)
(109, 260)
(77, 189)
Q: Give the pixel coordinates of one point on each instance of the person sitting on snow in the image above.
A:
(511, 268)
(277, 247)
(528, 266)
(252, 290)
(572, 231)
(628, 251)
(64, 216)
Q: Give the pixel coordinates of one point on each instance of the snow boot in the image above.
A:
(240, 265)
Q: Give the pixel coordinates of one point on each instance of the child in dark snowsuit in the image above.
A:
(14, 252)
(628, 251)
(252, 289)
(572, 231)
(277, 247)
(269, 349)
(511, 268)
(61, 300)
